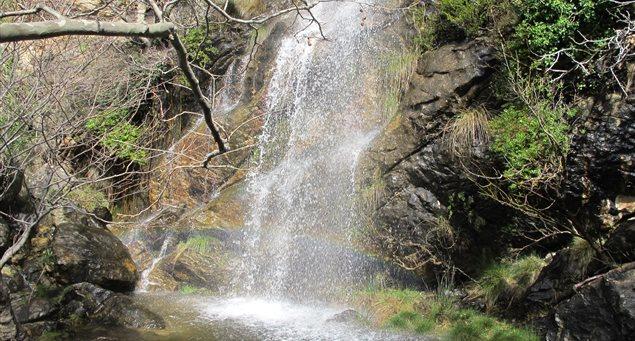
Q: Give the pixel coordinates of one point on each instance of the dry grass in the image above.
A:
(250, 8)
(467, 130)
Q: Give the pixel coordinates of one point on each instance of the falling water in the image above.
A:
(324, 106)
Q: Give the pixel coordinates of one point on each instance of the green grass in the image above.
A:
(436, 314)
(508, 280)
(200, 244)
(189, 290)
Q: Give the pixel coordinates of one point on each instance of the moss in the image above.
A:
(53, 336)
(188, 290)
(199, 46)
(88, 197)
(118, 135)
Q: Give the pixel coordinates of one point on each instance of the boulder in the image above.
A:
(95, 305)
(346, 316)
(621, 243)
(556, 280)
(28, 307)
(5, 234)
(603, 308)
(8, 329)
(11, 181)
(85, 253)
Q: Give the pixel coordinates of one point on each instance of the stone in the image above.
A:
(8, 329)
(621, 243)
(95, 305)
(27, 307)
(11, 181)
(346, 316)
(5, 234)
(603, 308)
(102, 215)
(555, 281)
(92, 254)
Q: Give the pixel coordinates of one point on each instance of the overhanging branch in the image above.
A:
(12, 32)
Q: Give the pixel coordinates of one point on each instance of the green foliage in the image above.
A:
(530, 140)
(199, 244)
(189, 290)
(88, 197)
(549, 26)
(199, 46)
(118, 135)
(424, 24)
(45, 291)
(53, 336)
(509, 279)
(467, 15)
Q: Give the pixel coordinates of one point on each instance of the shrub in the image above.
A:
(88, 198)
(199, 46)
(532, 141)
(509, 279)
(467, 15)
(549, 26)
(118, 135)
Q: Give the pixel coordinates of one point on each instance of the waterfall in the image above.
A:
(324, 105)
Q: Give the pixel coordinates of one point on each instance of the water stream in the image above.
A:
(324, 104)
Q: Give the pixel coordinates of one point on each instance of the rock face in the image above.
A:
(417, 173)
(621, 243)
(603, 308)
(104, 307)
(8, 328)
(601, 163)
(91, 254)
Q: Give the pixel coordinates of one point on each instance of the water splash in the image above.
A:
(324, 105)
(145, 282)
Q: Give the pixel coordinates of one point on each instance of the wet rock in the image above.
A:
(5, 234)
(33, 330)
(92, 254)
(96, 305)
(601, 163)
(603, 308)
(27, 307)
(10, 185)
(346, 316)
(8, 329)
(556, 280)
(621, 243)
(72, 215)
(103, 215)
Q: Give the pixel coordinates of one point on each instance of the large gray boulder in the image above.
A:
(603, 308)
(95, 305)
(91, 254)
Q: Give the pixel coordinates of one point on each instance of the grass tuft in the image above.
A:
(508, 280)
(430, 313)
(467, 130)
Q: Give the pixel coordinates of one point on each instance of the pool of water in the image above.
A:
(191, 317)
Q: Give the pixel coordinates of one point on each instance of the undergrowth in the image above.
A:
(507, 281)
(436, 314)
